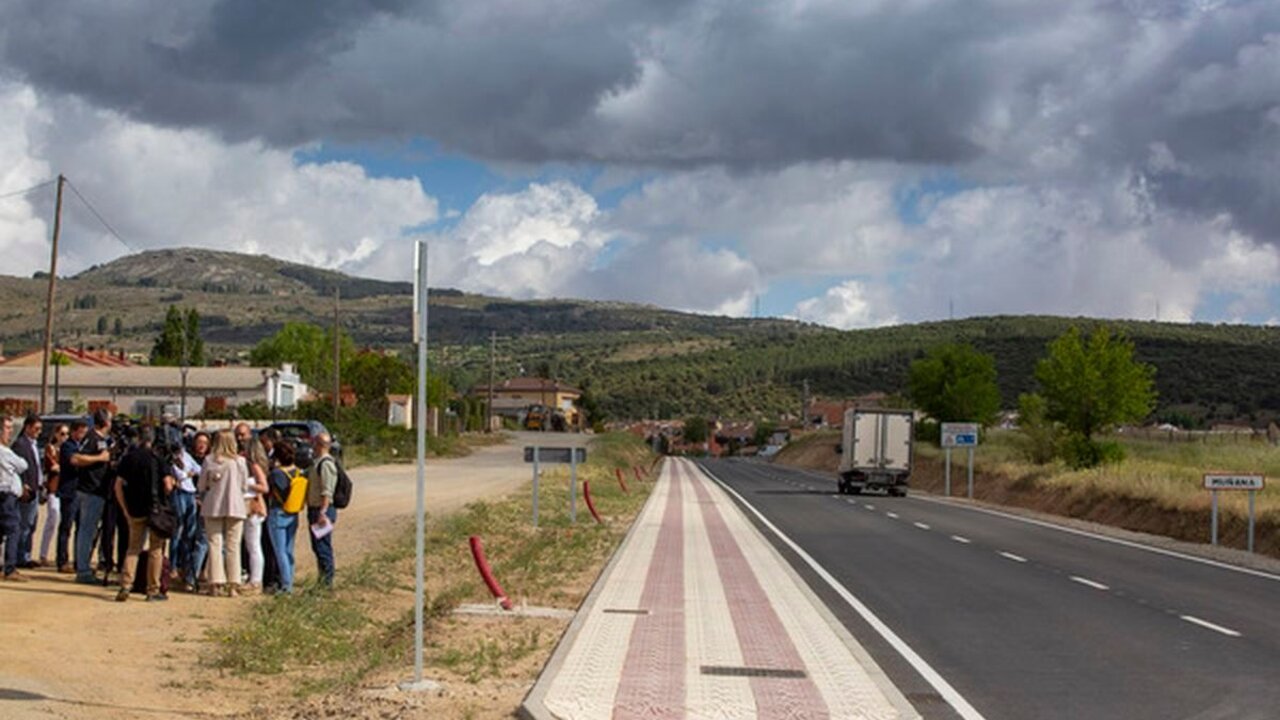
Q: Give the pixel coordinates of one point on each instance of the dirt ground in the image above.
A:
(70, 651)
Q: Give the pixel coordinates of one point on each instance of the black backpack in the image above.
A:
(342, 491)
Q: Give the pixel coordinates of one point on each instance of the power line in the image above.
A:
(98, 215)
(15, 193)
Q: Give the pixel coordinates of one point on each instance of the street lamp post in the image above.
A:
(184, 369)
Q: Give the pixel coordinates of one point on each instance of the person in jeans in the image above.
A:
(142, 481)
(93, 469)
(282, 526)
(27, 446)
(11, 468)
(182, 549)
(52, 479)
(223, 481)
(322, 479)
(256, 511)
(68, 497)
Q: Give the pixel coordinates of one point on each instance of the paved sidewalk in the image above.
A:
(697, 616)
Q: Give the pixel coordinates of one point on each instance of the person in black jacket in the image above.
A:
(93, 467)
(28, 504)
(67, 495)
(143, 481)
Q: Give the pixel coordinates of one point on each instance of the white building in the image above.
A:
(146, 391)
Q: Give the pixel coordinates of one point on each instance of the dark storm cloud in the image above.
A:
(1032, 91)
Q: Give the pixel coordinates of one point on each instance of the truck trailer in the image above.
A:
(876, 451)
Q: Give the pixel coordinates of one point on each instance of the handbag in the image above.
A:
(162, 521)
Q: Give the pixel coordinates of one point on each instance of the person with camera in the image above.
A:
(143, 482)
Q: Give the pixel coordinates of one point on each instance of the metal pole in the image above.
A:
(971, 472)
(48, 309)
(419, 589)
(1251, 494)
(488, 410)
(1213, 522)
(337, 362)
(536, 473)
(572, 487)
(947, 474)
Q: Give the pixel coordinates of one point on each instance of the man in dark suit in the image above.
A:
(27, 448)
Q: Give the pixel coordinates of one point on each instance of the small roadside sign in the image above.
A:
(1217, 481)
(1213, 482)
(555, 454)
(959, 435)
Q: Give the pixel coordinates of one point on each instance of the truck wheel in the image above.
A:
(854, 490)
(899, 492)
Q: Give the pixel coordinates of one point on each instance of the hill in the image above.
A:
(638, 361)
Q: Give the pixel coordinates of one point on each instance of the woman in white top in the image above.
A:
(256, 508)
(224, 479)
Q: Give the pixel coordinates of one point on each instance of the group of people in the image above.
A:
(192, 506)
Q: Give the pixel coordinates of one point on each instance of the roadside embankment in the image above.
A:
(1155, 490)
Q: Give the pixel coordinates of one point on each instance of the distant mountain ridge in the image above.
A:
(636, 360)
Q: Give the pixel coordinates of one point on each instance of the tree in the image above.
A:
(955, 383)
(375, 375)
(695, 430)
(1092, 384)
(308, 347)
(1041, 437)
(179, 341)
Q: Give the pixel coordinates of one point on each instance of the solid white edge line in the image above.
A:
(1091, 583)
(960, 539)
(921, 525)
(1011, 556)
(931, 676)
(1117, 541)
(1206, 624)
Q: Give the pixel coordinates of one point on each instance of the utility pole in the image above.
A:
(48, 310)
(488, 410)
(804, 407)
(337, 370)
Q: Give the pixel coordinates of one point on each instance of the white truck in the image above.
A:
(876, 451)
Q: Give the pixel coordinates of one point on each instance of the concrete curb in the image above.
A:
(534, 706)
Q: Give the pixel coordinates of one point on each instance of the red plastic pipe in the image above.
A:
(586, 495)
(638, 476)
(621, 482)
(477, 552)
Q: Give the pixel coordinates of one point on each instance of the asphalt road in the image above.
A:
(1026, 621)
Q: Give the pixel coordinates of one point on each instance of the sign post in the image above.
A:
(1213, 482)
(563, 455)
(959, 435)
(420, 424)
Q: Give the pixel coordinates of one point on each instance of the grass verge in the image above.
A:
(322, 640)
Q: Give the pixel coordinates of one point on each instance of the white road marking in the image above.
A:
(1206, 624)
(893, 515)
(920, 525)
(835, 497)
(1091, 583)
(959, 539)
(1105, 538)
(870, 506)
(852, 502)
(1011, 556)
(931, 676)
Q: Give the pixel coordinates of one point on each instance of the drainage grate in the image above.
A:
(731, 671)
(626, 611)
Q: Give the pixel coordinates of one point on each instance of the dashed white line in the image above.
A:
(1206, 624)
(893, 515)
(1011, 556)
(960, 539)
(870, 506)
(852, 502)
(921, 525)
(1091, 583)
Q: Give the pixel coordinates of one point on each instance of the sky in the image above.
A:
(852, 164)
